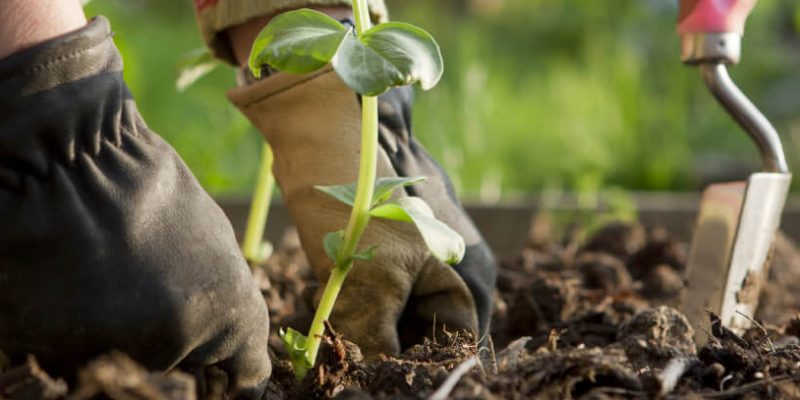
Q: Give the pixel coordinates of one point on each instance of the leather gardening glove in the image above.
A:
(313, 124)
(107, 241)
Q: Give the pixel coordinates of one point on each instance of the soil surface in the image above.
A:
(576, 317)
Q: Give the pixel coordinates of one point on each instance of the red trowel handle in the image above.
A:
(711, 35)
(711, 30)
(714, 16)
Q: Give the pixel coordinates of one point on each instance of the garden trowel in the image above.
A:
(737, 221)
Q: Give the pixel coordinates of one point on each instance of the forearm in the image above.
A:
(25, 23)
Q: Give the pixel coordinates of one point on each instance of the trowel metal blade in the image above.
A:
(733, 235)
(758, 223)
(710, 252)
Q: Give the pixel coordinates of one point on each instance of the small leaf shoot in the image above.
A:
(297, 42)
(344, 193)
(366, 255)
(370, 61)
(296, 345)
(332, 243)
(382, 190)
(444, 243)
(410, 49)
(385, 186)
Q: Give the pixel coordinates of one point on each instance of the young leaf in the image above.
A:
(296, 345)
(383, 189)
(364, 70)
(391, 211)
(344, 193)
(332, 243)
(297, 42)
(443, 242)
(385, 186)
(365, 255)
(194, 65)
(410, 49)
(390, 54)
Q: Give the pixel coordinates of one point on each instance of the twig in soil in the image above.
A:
(30, 381)
(762, 328)
(622, 392)
(723, 381)
(721, 332)
(745, 388)
(433, 331)
(552, 339)
(450, 383)
(673, 372)
(488, 357)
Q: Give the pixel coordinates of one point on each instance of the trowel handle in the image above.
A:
(711, 34)
(714, 16)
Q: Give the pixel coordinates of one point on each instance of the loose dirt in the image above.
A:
(573, 319)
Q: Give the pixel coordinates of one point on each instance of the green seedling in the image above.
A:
(255, 250)
(193, 66)
(370, 60)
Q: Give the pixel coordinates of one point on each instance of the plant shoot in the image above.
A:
(370, 60)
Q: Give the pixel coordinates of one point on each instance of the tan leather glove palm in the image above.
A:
(312, 123)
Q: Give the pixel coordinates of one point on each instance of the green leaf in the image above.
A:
(296, 345)
(383, 189)
(332, 243)
(443, 242)
(391, 211)
(194, 65)
(385, 186)
(297, 42)
(366, 255)
(364, 70)
(390, 54)
(410, 49)
(344, 193)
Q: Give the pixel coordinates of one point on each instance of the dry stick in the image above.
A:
(725, 379)
(673, 372)
(637, 394)
(744, 388)
(763, 330)
(487, 356)
(450, 383)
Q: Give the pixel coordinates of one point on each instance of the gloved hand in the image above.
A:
(107, 241)
(312, 123)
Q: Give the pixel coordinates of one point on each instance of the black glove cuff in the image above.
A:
(64, 59)
(62, 98)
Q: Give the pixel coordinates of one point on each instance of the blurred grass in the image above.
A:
(565, 94)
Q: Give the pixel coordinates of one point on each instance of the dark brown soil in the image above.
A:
(573, 319)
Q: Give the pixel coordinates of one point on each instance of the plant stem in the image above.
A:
(259, 209)
(324, 309)
(361, 14)
(359, 216)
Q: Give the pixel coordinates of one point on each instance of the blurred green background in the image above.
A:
(576, 95)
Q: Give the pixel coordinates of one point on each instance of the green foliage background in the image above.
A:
(537, 94)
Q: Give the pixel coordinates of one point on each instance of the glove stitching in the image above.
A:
(50, 63)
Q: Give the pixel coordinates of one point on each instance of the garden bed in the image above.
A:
(574, 318)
